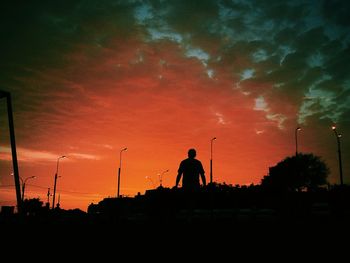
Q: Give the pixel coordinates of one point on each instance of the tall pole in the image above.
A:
(22, 195)
(338, 136)
(24, 185)
(13, 149)
(48, 195)
(54, 187)
(161, 177)
(54, 192)
(211, 159)
(296, 140)
(120, 167)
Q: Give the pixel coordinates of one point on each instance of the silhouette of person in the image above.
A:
(190, 169)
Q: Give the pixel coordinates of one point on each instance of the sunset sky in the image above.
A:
(89, 78)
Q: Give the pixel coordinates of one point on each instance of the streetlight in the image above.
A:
(338, 136)
(161, 177)
(120, 167)
(7, 95)
(24, 184)
(150, 179)
(48, 197)
(211, 159)
(296, 140)
(56, 175)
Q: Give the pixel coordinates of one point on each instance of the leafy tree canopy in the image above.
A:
(297, 172)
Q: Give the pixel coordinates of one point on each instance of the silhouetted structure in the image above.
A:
(211, 159)
(24, 185)
(221, 204)
(296, 140)
(55, 182)
(119, 169)
(13, 147)
(218, 205)
(338, 136)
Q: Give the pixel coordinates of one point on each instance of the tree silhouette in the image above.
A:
(32, 206)
(301, 171)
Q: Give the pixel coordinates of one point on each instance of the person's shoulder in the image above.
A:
(184, 161)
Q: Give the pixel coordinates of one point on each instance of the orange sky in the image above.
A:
(157, 118)
(158, 95)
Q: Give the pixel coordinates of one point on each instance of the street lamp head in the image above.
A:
(334, 128)
(165, 171)
(61, 157)
(338, 136)
(213, 139)
(26, 179)
(298, 129)
(124, 149)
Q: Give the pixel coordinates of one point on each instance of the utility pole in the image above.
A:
(296, 140)
(119, 169)
(56, 175)
(24, 185)
(13, 148)
(338, 136)
(48, 195)
(58, 203)
(211, 159)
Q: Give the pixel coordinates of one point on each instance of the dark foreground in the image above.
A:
(165, 218)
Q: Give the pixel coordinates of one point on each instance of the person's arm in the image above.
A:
(179, 174)
(203, 179)
(178, 178)
(202, 175)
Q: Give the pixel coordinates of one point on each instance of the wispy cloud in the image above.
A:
(83, 156)
(28, 155)
(106, 146)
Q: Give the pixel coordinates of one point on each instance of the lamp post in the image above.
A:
(48, 197)
(150, 179)
(161, 177)
(211, 159)
(120, 167)
(7, 95)
(296, 140)
(338, 136)
(24, 184)
(56, 175)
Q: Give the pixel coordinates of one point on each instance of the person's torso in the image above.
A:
(191, 169)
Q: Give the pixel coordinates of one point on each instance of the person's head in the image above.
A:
(191, 153)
